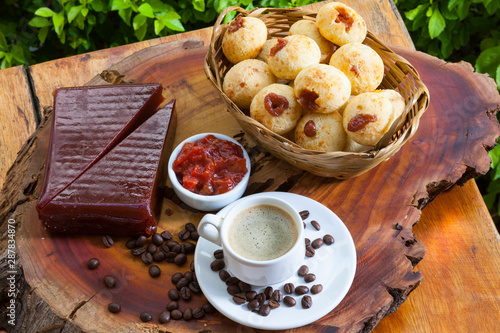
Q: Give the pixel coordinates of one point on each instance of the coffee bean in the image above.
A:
(232, 280)
(174, 295)
(289, 301)
(328, 239)
(195, 287)
(185, 293)
(310, 251)
(154, 271)
(180, 259)
(147, 258)
(278, 295)
(151, 248)
(268, 292)
(252, 305)
(170, 256)
(107, 241)
(224, 275)
(194, 235)
(184, 234)
(176, 314)
(191, 266)
(274, 304)
(265, 310)
(306, 302)
(131, 243)
(316, 225)
(233, 289)
(308, 241)
(316, 289)
(164, 248)
(219, 254)
(189, 275)
(195, 278)
(309, 277)
(239, 298)
(189, 247)
(190, 227)
(198, 313)
(159, 256)
(145, 317)
(183, 282)
(217, 265)
(109, 281)
(304, 214)
(251, 295)
(301, 290)
(188, 314)
(176, 248)
(173, 305)
(164, 317)
(157, 239)
(93, 263)
(138, 251)
(289, 288)
(114, 307)
(317, 243)
(303, 270)
(208, 308)
(261, 298)
(140, 241)
(166, 235)
(171, 243)
(245, 287)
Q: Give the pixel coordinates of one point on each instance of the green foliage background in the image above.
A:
(33, 31)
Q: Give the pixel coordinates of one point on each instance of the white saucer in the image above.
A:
(334, 267)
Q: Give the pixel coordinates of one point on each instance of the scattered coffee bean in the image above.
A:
(308, 241)
(219, 254)
(316, 225)
(245, 287)
(195, 287)
(189, 275)
(151, 248)
(114, 307)
(109, 281)
(191, 266)
(253, 304)
(176, 314)
(274, 304)
(140, 241)
(131, 243)
(164, 317)
(224, 275)
(239, 299)
(306, 302)
(183, 282)
(195, 278)
(233, 289)
(189, 247)
(194, 235)
(157, 239)
(107, 241)
(317, 243)
(159, 256)
(147, 258)
(176, 248)
(190, 227)
(289, 288)
(251, 295)
(208, 308)
(310, 251)
(316, 289)
(217, 265)
(303, 270)
(93, 263)
(174, 295)
(184, 234)
(145, 317)
(138, 251)
(278, 295)
(198, 313)
(154, 271)
(301, 290)
(170, 256)
(164, 248)
(289, 301)
(309, 277)
(166, 235)
(328, 239)
(171, 244)
(185, 293)
(173, 305)
(180, 259)
(265, 310)
(268, 292)
(304, 214)
(261, 298)
(188, 314)
(232, 280)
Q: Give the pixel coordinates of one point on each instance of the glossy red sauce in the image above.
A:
(275, 104)
(358, 122)
(281, 43)
(236, 24)
(310, 129)
(345, 18)
(210, 166)
(308, 99)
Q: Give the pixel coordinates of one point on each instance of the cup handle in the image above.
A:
(215, 221)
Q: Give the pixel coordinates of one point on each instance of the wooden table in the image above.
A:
(461, 267)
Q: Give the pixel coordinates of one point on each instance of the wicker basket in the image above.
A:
(399, 74)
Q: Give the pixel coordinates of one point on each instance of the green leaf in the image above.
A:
(126, 15)
(85, 11)
(495, 156)
(448, 14)
(42, 34)
(464, 35)
(2, 54)
(3, 42)
(139, 21)
(91, 19)
(141, 31)
(222, 5)
(436, 24)
(199, 5)
(5, 63)
(120, 4)
(39, 22)
(463, 9)
(417, 11)
(18, 54)
(489, 199)
(488, 61)
(73, 12)
(58, 20)
(44, 12)
(174, 24)
(453, 3)
(497, 77)
(97, 5)
(159, 25)
(488, 43)
(146, 10)
(491, 6)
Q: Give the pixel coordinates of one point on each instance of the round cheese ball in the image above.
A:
(340, 24)
(322, 88)
(275, 107)
(292, 54)
(244, 39)
(368, 117)
(321, 132)
(266, 49)
(354, 147)
(361, 64)
(245, 79)
(308, 28)
(397, 101)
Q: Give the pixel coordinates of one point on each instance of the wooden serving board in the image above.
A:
(379, 207)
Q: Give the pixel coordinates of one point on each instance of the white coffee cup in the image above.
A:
(272, 261)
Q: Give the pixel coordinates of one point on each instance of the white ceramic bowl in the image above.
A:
(207, 202)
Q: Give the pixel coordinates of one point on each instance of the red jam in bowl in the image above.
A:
(210, 166)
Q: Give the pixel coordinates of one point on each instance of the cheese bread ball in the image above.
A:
(361, 64)
(292, 54)
(340, 24)
(322, 88)
(321, 132)
(266, 49)
(245, 79)
(368, 117)
(244, 39)
(397, 101)
(354, 147)
(308, 28)
(275, 107)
